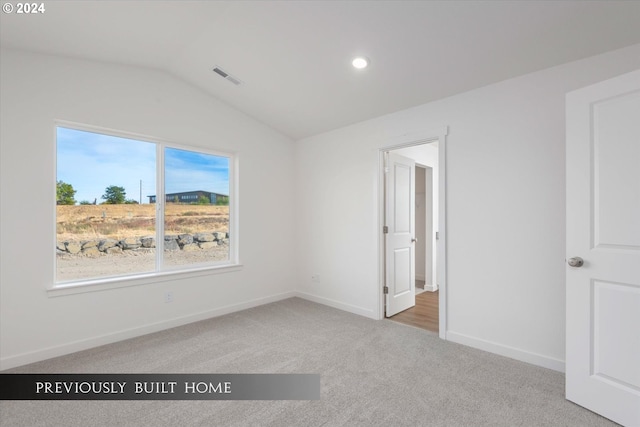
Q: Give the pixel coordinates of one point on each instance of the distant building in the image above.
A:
(192, 197)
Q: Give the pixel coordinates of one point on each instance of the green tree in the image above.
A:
(114, 195)
(203, 200)
(65, 193)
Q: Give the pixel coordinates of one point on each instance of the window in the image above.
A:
(110, 218)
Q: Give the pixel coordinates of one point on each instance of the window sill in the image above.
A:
(104, 284)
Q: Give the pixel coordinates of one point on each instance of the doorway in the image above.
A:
(424, 314)
(428, 151)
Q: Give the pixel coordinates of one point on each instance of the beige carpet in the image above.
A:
(373, 373)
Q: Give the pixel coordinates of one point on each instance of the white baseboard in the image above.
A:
(366, 312)
(430, 288)
(511, 352)
(72, 347)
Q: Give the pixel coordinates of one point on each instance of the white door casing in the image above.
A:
(603, 228)
(400, 276)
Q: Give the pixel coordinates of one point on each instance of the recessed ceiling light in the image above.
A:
(360, 62)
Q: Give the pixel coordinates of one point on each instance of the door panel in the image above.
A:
(400, 275)
(402, 270)
(614, 342)
(603, 227)
(402, 174)
(617, 166)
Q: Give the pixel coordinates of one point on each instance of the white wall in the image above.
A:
(38, 89)
(505, 201)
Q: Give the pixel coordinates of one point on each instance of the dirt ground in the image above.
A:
(88, 222)
(77, 267)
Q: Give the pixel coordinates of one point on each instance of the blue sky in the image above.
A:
(91, 162)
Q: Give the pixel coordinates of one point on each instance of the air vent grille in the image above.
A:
(219, 71)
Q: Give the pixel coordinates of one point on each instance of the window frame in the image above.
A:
(161, 273)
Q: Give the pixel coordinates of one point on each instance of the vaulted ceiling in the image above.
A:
(294, 57)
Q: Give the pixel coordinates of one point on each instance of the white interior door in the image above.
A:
(400, 274)
(603, 229)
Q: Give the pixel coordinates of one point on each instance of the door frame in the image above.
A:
(409, 140)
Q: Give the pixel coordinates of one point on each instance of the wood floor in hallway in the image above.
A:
(425, 313)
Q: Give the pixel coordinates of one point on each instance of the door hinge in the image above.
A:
(437, 235)
(385, 229)
(385, 290)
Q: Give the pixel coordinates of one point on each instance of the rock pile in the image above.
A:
(184, 242)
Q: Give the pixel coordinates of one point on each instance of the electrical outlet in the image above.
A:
(168, 296)
(315, 278)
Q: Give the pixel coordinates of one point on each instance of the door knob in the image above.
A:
(575, 262)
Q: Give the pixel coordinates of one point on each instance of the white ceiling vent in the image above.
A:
(227, 76)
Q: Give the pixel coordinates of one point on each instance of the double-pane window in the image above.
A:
(127, 206)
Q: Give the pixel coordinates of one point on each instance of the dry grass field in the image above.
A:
(87, 222)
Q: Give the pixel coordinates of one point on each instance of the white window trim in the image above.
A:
(159, 275)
